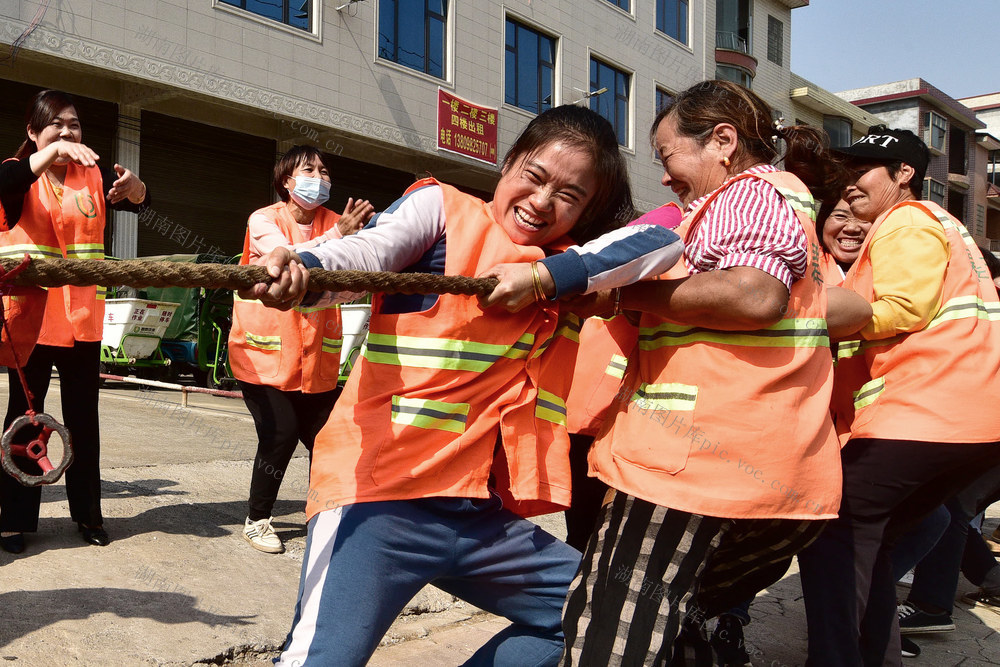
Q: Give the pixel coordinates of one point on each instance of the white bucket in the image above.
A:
(354, 321)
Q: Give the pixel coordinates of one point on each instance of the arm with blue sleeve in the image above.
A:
(644, 249)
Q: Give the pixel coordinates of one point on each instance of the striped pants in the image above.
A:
(649, 568)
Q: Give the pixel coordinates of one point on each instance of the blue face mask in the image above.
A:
(310, 192)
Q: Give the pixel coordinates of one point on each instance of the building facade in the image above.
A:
(201, 96)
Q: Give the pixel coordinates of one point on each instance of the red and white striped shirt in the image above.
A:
(749, 224)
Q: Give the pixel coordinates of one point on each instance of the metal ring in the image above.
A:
(44, 420)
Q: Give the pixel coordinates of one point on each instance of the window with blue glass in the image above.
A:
(412, 33)
(663, 99)
(621, 4)
(613, 103)
(296, 13)
(672, 19)
(529, 68)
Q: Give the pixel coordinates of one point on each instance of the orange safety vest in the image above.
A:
(832, 273)
(938, 384)
(421, 411)
(72, 230)
(732, 424)
(605, 346)
(295, 350)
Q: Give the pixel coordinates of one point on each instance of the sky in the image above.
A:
(843, 44)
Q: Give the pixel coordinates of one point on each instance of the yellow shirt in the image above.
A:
(909, 255)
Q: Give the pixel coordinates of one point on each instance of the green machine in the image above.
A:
(196, 341)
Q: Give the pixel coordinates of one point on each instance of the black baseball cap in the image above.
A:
(882, 144)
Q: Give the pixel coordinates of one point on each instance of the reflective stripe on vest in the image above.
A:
(666, 396)
(263, 342)
(799, 201)
(852, 348)
(550, 407)
(569, 327)
(448, 354)
(948, 223)
(306, 310)
(332, 345)
(785, 333)
(966, 306)
(36, 251)
(429, 414)
(85, 251)
(869, 391)
(102, 293)
(959, 308)
(616, 367)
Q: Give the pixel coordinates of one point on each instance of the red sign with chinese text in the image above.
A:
(467, 129)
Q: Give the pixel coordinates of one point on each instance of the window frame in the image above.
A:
(556, 47)
(687, 20)
(929, 128)
(658, 91)
(841, 119)
(743, 70)
(749, 26)
(771, 22)
(447, 44)
(614, 3)
(927, 195)
(630, 80)
(312, 33)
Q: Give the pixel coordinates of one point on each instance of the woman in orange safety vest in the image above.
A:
(914, 393)
(54, 198)
(452, 426)
(287, 363)
(721, 449)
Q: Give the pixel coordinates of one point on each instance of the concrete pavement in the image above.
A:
(179, 586)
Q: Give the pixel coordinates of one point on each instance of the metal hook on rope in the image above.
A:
(36, 450)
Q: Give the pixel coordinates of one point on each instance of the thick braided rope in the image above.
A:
(83, 272)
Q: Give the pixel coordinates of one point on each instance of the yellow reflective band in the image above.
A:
(521, 347)
(102, 293)
(269, 343)
(428, 414)
(948, 223)
(569, 327)
(800, 201)
(550, 407)
(964, 307)
(786, 333)
(443, 353)
(666, 396)
(35, 251)
(848, 348)
(308, 310)
(869, 391)
(85, 251)
(616, 367)
(332, 345)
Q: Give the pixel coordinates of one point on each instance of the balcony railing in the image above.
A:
(731, 41)
(994, 245)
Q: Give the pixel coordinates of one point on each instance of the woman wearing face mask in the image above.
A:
(287, 363)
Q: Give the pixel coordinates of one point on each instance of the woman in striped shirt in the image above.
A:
(722, 452)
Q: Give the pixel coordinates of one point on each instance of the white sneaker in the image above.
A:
(261, 536)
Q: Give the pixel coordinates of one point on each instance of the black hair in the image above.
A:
(288, 162)
(611, 205)
(44, 108)
(992, 263)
